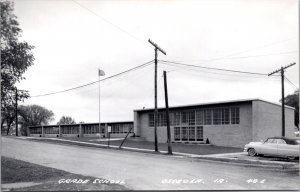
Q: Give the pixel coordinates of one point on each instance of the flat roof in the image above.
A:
(215, 103)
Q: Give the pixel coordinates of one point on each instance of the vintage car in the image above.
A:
(275, 146)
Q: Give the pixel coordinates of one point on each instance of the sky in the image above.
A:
(73, 39)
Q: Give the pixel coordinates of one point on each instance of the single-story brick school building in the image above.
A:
(118, 129)
(228, 123)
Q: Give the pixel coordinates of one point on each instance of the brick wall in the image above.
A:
(267, 120)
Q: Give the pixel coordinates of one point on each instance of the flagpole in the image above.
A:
(100, 73)
(99, 104)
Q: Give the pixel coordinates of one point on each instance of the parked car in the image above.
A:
(275, 146)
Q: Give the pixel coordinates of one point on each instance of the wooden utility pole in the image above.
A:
(16, 108)
(156, 47)
(167, 114)
(281, 70)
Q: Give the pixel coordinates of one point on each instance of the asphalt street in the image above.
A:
(150, 171)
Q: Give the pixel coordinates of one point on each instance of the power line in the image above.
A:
(254, 48)
(211, 68)
(263, 55)
(91, 83)
(244, 51)
(107, 21)
(210, 72)
(291, 83)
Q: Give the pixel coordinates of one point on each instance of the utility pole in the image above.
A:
(156, 47)
(167, 114)
(17, 132)
(281, 70)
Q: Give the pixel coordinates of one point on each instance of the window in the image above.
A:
(162, 119)
(177, 133)
(235, 115)
(102, 128)
(281, 141)
(177, 118)
(151, 120)
(217, 116)
(174, 118)
(115, 128)
(225, 116)
(200, 117)
(70, 129)
(184, 133)
(192, 134)
(221, 116)
(272, 141)
(207, 117)
(51, 130)
(192, 118)
(184, 117)
(36, 130)
(199, 133)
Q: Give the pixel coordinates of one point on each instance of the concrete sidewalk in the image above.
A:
(238, 157)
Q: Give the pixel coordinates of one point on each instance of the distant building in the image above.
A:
(118, 129)
(229, 123)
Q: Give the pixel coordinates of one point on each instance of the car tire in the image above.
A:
(251, 152)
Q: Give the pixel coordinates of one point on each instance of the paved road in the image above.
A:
(148, 171)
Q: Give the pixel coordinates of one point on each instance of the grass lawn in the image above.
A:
(16, 171)
(177, 147)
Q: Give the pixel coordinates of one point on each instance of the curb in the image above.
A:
(290, 166)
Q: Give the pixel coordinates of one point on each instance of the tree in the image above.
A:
(293, 101)
(32, 115)
(16, 57)
(35, 114)
(66, 120)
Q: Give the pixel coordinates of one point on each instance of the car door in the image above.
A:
(269, 147)
(285, 149)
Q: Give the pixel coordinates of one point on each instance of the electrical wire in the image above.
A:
(212, 68)
(223, 74)
(91, 83)
(291, 83)
(244, 51)
(107, 21)
(263, 55)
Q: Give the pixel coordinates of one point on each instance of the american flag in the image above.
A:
(101, 72)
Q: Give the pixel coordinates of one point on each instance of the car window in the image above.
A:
(272, 141)
(281, 141)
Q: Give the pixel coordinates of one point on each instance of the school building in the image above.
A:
(229, 123)
(117, 129)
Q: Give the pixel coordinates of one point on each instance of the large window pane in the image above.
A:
(199, 133)
(184, 133)
(235, 115)
(225, 116)
(208, 117)
(217, 116)
(184, 117)
(200, 117)
(192, 135)
(177, 133)
(192, 118)
(151, 120)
